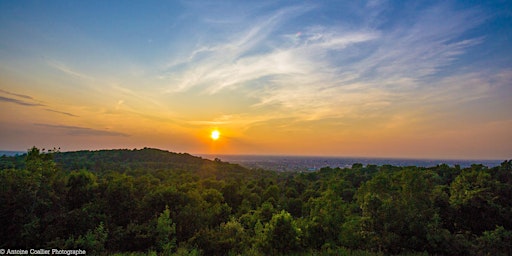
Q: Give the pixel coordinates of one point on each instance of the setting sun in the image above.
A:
(215, 135)
(272, 80)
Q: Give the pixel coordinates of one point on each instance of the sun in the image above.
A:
(215, 135)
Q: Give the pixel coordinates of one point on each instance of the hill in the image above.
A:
(126, 160)
(123, 159)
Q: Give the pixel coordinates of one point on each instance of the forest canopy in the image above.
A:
(154, 202)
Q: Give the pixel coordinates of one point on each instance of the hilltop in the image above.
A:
(131, 160)
(126, 159)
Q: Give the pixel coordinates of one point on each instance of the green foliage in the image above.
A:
(473, 197)
(496, 242)
(153, 202)
(93, 241)
(281, 234)
(230, 237)
(397, 208)
(165, 232)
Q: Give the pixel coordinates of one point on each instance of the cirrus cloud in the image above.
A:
(81, 131)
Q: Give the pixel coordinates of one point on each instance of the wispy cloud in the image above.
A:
(82, 131)
(20, 102)
(229, 63)
(61, 112)
(66, 69)
(29, 101)
(423, 47)
(17, 95)
(330, 71)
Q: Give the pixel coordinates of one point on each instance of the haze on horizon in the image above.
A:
(412, 79)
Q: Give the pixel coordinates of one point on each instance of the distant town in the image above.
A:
(314, 163)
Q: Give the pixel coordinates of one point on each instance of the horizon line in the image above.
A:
(426, 158)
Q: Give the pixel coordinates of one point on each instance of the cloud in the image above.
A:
(119, 104)
(20, 102)
(229, 63)
(82, 131)
(60, 112)
(17, 95)
(30, 103)
(64, 68)
(422, 48)
(329, 71)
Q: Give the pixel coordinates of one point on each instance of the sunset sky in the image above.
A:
(408, 79)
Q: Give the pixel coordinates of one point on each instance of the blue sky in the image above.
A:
(357, 78)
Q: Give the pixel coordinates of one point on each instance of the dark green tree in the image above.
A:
(281, 235)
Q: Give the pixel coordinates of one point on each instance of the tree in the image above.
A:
(19, 205)
(227, 239)
(472, 196)
(326, 218)
(397, 209)
(93, 242)
(165, 232)
(41, 162)
(81, 185)
(495, 242)
(31, 201)
(281, 234)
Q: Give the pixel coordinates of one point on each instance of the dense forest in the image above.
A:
(153, 202)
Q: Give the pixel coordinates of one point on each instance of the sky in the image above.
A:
(408, 79)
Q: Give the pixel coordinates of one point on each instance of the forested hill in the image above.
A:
(146, 158)
(122, 160)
